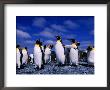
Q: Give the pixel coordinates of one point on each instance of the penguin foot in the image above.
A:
(42, 66)
(61, 65)
(22, 66)
(90, 65)
(36, 68)
(18, 68)
(74, 65)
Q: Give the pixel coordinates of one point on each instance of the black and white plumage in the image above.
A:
(31, 58)
(25, 55)
(38, 54)
(59, 49)
(18, 56)
(73, 54)
(90, 55)
(47, 53)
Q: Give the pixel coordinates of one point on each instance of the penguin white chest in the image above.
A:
(47, 56)
(91, 56)
(73, 56)
(60, 52)
(18, 55)
(25, 57)
(38, 56)
(32, 57)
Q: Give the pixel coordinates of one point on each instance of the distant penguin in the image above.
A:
(47, 53)
(59, 49)
(90, 55)
(18, 56)
(67, 50)
(38, 54)
(25, 56)
(31, 58)
(74, 57)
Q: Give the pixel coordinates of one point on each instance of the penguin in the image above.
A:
(47, 53)
(73, 54)
(90, 55)
(25, 56)
(18, 56)
(31, 58)
(59, 49)
(67, 50)
(38, 54)
(84, 55)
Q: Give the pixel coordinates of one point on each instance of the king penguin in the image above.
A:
(18, 56)
(47, 53)
(38, 54)
(31, 58)
(59, 49)
(90, 55)
(25, 56)
(74, 52)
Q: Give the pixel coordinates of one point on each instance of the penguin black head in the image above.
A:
(58, 37)
(89, 48)
(26, 48)
(39, 42)
(51, 46)
(17, 46)
(72, 40)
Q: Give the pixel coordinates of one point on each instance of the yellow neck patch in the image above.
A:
(23, 49)
(93, 49)
(58, 40)
(17, 49)
(37, 45)
(74, 46)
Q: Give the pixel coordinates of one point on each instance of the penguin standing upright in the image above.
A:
(18, 56)
(90, 55)
(74, 57)
(47, 53)
(38, 54)
(25, 56)
(31, 58)
(59, 49)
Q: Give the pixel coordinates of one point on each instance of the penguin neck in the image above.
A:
(93, 49)
(37, 45)
(23, 49)
(59, 41)
(74, 45)
(17, 49)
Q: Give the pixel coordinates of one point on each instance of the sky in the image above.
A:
(45, 28)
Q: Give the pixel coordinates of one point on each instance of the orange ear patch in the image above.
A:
(74, 46)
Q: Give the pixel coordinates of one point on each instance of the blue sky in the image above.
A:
(31, 28)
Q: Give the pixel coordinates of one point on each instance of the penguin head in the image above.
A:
(17, 46)
(58, 38)
(26, 48)
(51, 46)
(38, 42)
(89, 48)
(72, 40)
